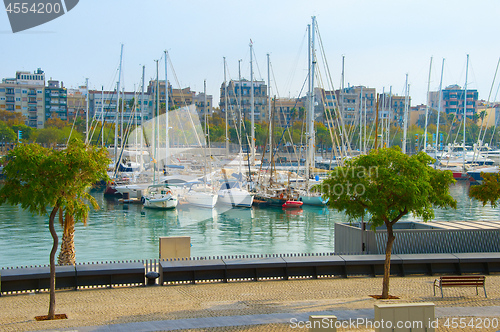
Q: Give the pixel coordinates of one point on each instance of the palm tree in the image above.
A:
(67, 251)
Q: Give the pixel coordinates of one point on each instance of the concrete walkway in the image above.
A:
(237, 306)
(282, 318)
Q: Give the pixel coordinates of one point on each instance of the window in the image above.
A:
(39, 91)
(25, 91)
(18, 99)
(2, 90)
(18, 90)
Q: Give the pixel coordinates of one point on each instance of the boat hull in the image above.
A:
(165, 204)
(292, 204)
(238, 198)
(313, 200)
(201, 199)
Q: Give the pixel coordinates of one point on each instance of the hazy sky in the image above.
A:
(381, 41)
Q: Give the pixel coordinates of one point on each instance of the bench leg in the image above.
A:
(441, 291)
(484, 287)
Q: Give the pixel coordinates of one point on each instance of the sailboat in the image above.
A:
(160, 196)
(305, 195)
(231, 191)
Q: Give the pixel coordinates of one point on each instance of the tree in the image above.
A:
(37, 178)
(488, 191)
(6, 133)
(12, 118)
(386, 185)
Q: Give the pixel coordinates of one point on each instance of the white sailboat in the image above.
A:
(306, 196)
(160, 196)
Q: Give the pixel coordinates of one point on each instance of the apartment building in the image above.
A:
(25, 94)
(77, 102)
(56, 101)
(239, 97)
(452, 101)
(102, 107)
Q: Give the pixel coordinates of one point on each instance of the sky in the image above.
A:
(380, 41)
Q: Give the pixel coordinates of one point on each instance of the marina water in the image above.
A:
(128, 232)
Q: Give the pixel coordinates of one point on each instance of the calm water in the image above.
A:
(124, 232)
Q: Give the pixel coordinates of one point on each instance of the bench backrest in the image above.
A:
(462, 280)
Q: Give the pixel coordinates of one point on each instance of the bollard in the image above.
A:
(151, 276)
(322, 323)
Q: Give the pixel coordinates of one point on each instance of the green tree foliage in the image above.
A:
(7, 135)
(38, 179)
(386, 185)
(488, 191)
(11, 118)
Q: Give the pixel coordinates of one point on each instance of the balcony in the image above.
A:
(9, 92)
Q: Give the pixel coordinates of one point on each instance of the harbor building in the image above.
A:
(25, 94)
(202, 108)
(452, 101)
(102, 105)
(77, 102)
(239, 94)
(288, 110)
(398, 110)
(56, 101)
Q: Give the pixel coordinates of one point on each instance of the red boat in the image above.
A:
(292, 204)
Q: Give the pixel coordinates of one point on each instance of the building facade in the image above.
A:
(25, 94)
(56, 101)
(77, 102)
(239, 98)
(452, 101)
(102, 107)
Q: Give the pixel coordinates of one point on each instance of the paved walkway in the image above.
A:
(282, 318)
(239, 306)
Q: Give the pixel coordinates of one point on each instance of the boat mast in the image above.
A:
(167, 143)
(342, 110)
(117, 109)
(226, 110)
(310, 111)
(122, 145)
(252, 106)
(205, 111)
(239, 102)
(405, 118)
(427, 106)
(142, 115)
(360, 118)
(87, 112)
(389, 117)
(364, 129)
(465, 106)
(439, 106)
(269, 109)
(155, 127)
(102, 117)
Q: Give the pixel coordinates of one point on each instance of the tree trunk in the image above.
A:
(52, 301)
(387, 264)
(67, 252)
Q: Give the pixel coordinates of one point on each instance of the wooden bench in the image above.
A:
(460, 281)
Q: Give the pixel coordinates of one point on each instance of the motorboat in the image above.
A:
(292, 204)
